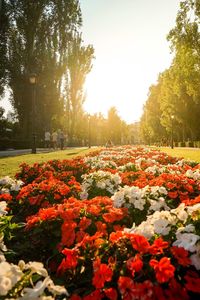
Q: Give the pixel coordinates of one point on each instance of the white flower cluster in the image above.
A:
(3, 206)
(7, 184)
(128, 196)
(127, 167)
(12, 276)
(188, 162)
(150, 162)
(97, 163)
(137, 197)
(164, 222)
(101, 180)
(194, 174)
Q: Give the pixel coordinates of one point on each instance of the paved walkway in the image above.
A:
(12, 152)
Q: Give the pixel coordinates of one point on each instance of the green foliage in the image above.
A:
(177, 90)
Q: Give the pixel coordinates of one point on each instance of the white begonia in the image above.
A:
(57, 289)
(193, 208)
(83, 195)
(156, 205)
(118, 198)
(36, 291)
(101, 179)
(145, 228)
(195, 258)
(193, 174)
(8, 184)
(162, 190)
(161, 226)
(187, 228)
(6, 180)
(129, 195)
(5, 191)
(187, 241)
(180, 212)
(36, 267)
(3, 206)
(9, 275)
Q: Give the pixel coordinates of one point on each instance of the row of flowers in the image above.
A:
(121, 223)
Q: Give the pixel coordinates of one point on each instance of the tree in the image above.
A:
(38, 36)
(114, 126)
(79, 64)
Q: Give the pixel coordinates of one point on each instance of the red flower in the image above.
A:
(69, 262)
(175, 291)
(181, 255)
(96, 295)
(84, 223)
(116, 236)
(111, 293)
(139, 243)
(68, 233)
(134, 264)
(173, 195)
(164, 269)
(158, 246)
(192, 282)
(126, 287)
(101, 275)
(5, 197)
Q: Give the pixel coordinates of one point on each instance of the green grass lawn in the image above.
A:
(10, 165)
(192, 153)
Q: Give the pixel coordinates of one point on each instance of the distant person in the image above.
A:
(54, 139)
(62, 138)
(47, 139)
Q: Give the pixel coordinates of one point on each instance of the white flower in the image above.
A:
(118, 198)
(5, 285)
(193, 208)
(161, 226)
(180, 212)
(83, 195)
(162, 190)
(195, 258)
(35, 292)
(187, 241)
(57, 289)
(9, 275)
(3, 206)
(36, 267)
(146, 229)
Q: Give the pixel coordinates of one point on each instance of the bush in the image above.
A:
(189, 144)
(197, 144)
(181, 144)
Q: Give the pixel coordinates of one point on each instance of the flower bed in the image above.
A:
(122, 223)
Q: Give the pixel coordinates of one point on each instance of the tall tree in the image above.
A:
(79, 64)
(38, 36)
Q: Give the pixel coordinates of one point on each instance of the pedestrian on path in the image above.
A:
(54, 139)
(47, 139)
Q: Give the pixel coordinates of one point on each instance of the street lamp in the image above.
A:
(172, 132)
(33, 80)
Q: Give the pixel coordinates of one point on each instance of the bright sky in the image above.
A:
(129, 37)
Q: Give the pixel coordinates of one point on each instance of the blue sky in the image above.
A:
(129, 37)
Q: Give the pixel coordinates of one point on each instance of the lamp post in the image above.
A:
(172, 131)
(32, 80)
